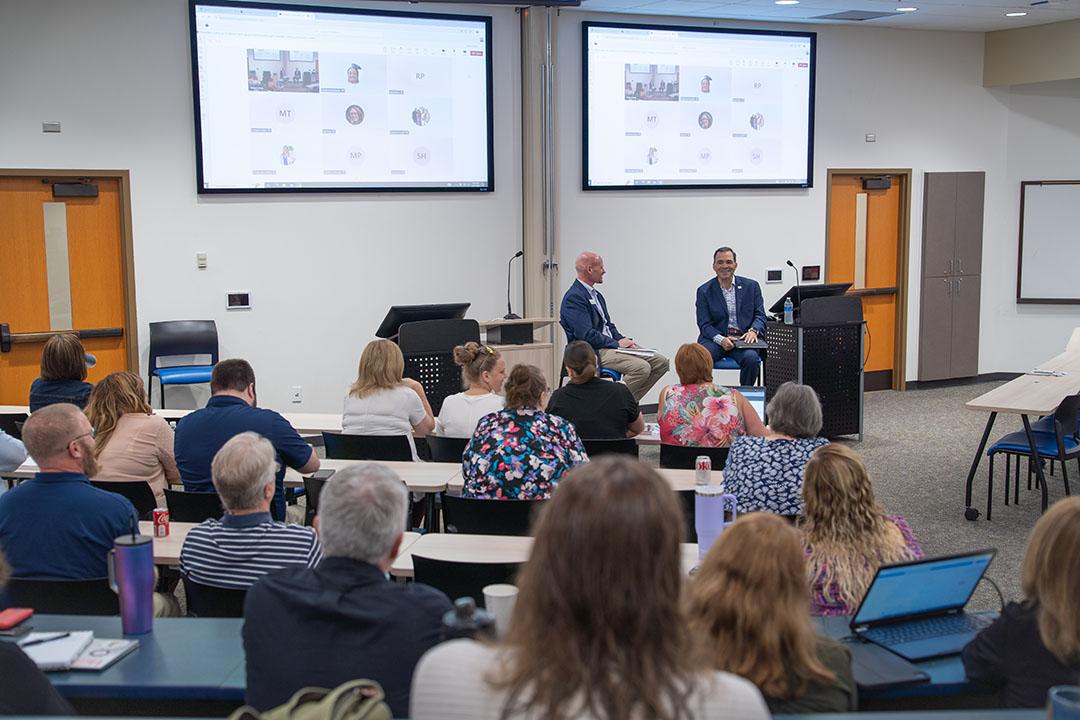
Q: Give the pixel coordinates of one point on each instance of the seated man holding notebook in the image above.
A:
(730, 310)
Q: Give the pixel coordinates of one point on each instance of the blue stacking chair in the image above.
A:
(181, 337)
(1062, 444)
(726, 363)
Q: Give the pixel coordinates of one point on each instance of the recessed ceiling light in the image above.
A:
(787, 2)
(1015, 14)
(906, 9)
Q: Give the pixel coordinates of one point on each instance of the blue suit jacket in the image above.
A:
(581, 321)
(712, 314)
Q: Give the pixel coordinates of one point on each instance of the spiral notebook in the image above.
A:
(55, 651)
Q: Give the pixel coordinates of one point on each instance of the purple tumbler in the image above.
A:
(710, 503)
(131, 575)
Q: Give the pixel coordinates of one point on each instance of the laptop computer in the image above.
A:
(916, 609)
(756, 397)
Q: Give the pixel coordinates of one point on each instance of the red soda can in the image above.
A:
(161, 522)
(702, 470)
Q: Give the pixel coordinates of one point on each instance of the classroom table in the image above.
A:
(1024, 396)
(679, 480)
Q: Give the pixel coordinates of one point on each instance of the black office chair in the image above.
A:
(63, 597)
(446, 449)
(193, 507)
(207, 601)
(367, 447)
(11, 423)
(476, 516)
(181, 337)
(679, 457)
(618, 446)
(312, 489)
(138, 492)
(428, 347)
(462, 579)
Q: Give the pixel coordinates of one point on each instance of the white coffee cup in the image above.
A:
(499, 601)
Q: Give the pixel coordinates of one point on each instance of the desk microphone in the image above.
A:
(510, 315)
(798, 288)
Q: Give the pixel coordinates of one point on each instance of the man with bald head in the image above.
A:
(58, 526)
(584, 316)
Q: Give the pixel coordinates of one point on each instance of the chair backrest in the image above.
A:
(138, 492)
(679, 457)
(474, 516)
(193, 506)
(462, 579)
(63, 597)
(209, 601)
(11, 423)
(446, 449)
(687, 502)
(312, 488)
(618, 446)
(183, 337)
(367, 447)
(428, 347)
(1066, 414)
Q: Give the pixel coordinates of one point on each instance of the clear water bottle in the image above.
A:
(789, 311)
(468, 621)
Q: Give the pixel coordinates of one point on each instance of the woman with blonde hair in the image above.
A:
(1035, 644)
(749, 608)
(597, 630)
(131, 443)
(483, 371)
(846, 533)
(382, 401)
(63, 373)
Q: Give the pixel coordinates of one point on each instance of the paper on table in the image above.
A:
(102, 653)
(56, 654)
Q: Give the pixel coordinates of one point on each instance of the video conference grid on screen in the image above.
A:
(687, 107)
(295, 99)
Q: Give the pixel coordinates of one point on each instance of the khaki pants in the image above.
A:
(639, 374)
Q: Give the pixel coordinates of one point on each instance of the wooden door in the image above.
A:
(969, 222)
(936, 328)
(939, 225)
(866, 231)
(964, 355)
(89, 290)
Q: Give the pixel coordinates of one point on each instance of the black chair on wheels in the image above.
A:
(367, 447)
(428, 347)
(475, 516)
(618, 446)
(63, 597)
(193, 506)
(446, 449)
(312, 489)
(11, 423)
(679, 457)
(208, 601)
(462, 579)
(181, 337)
(138, 492)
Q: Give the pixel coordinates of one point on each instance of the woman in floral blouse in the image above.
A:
(698, 413)
(520, 453)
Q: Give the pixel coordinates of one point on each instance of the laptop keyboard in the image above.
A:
(927, 628)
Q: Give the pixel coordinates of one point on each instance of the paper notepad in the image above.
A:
(102, 653)
(56, 654)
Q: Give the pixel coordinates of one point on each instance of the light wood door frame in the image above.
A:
(899, 378)
(127, 253)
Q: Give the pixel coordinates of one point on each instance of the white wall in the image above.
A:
(322, 270)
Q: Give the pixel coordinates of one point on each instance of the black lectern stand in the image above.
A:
(825, 351)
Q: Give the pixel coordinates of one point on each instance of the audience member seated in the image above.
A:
(63, 374)
(846, 534)
(25, 689)
(749, 606)
(230, 411)
(698, 413)
(520, 453)
(766, 473)
(12, 452)
(381, 401)
(599, 409)
(598, 630)
(132, 443)
(343, 619)
(1035, 644)
(246, 543)
(483, 370)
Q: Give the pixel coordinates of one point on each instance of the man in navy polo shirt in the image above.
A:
(230, 411)
(58, 526)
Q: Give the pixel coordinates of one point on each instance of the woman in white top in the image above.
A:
(598, 630)
(482, 371)
(381, 401)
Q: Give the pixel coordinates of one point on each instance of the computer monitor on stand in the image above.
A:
(807, 292)
(399, 314)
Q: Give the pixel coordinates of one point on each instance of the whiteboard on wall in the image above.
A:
(1048, 269)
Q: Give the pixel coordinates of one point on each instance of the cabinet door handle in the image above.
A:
(960, 265)
(958, 281)
(948, 286)
(948, 267)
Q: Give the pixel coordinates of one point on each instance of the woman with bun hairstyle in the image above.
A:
(483, 370)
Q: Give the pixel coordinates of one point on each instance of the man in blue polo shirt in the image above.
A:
(58, 526)
(230, 411)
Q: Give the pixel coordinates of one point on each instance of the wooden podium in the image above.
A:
(516, 342)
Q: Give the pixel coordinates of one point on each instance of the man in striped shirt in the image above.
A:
(246, 543)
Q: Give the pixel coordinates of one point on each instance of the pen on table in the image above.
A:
(44, 640)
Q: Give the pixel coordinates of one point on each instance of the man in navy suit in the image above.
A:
(730, 308)
(584, 316)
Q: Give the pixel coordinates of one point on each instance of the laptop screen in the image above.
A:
(922, 586)
(756, 397)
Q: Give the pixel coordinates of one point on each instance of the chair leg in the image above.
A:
(1016, 484)
(990, 488)
(1065, 478)
(1029, 473)
(1051, 466)
(1008, 475)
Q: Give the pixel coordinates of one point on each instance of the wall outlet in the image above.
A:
(297, 394)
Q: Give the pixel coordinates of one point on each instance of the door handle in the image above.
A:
(948, 267)
(958, 281)
(948, 286)
(7, 338)
(960, 265)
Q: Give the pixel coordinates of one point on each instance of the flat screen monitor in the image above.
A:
(294, 98)
(692, 107)
(398, 314)
(806, 292)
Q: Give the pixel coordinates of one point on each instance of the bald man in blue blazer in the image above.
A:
(729, 308)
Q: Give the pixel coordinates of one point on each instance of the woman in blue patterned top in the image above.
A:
(766, 473)
(520, 453)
